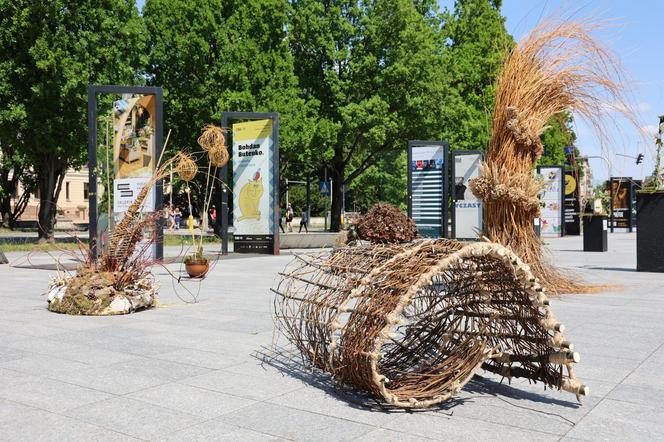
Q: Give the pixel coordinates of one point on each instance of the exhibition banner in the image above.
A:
(253, 195)
(467, 208)
(572, 204)
(427, 190)
(621, 203)
(552, 197)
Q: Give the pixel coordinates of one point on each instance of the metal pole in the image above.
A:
(170, 194)
(308, 196)
(286, 192)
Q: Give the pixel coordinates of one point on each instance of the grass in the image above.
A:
(33, 247)
(169, 240)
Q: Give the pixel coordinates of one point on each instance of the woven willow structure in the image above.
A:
(413, 322)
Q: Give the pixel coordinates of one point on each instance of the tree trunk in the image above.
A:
(338, 171)
(51, 175)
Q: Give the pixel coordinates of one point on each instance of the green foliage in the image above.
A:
(375, 68)
(476, 42)
(49, 53)
(297, 196)
(559, 134)
(386, 182)
(212, 56)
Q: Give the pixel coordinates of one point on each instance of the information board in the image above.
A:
(253, 186)
(427, 187)
(552, 198)
(466, 207)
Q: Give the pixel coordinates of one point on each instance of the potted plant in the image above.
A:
(197, 264)
(649, 215)
(213, 143)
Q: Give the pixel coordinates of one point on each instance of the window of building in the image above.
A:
(86, 191)
(67, 190)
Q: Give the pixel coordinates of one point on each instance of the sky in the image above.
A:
(635, 37)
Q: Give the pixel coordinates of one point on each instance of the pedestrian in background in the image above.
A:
(304, 220)
(289, 217)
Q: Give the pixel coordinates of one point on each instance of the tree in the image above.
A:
(212, 56)
(49, 53)
(558, 135)
(476, 43)
(375, 68)
(15, 175)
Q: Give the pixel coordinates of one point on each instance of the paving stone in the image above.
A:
(134, 418)
(206, 359)
(220, 431)
(52, 395)
(618, 420)
(192, 400)
(251, 387)
(295, 424)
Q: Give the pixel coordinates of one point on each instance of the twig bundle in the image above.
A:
(412, 323)
(558, 67)
(186, 167)
(386, 223)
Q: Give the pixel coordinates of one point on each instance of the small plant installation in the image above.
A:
(213, 143)
(120, 280)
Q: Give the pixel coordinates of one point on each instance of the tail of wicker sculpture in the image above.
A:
(413, 322)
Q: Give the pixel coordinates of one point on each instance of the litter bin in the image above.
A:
(595, 234)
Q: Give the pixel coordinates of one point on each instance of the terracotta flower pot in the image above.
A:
(197, 269)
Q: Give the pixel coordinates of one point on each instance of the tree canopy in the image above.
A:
(49, 53)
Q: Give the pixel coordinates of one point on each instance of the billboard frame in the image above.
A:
(93, 90)
(612, 220)
(222, 196)
(453, 155)
(562, 197)
(445, 177)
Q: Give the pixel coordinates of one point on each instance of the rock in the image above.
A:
(3, 259)
(120, 304)
(56, 293)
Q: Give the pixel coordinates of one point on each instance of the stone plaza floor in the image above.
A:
(208, 370)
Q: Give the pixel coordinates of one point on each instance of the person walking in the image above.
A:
(178, 218)
(281, 217)
(304, 220)
(289, 217)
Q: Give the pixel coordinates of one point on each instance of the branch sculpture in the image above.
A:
(558, 67)
(412, 323)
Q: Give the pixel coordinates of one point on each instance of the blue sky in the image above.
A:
(636, 37)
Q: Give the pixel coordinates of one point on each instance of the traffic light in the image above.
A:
(639, 158)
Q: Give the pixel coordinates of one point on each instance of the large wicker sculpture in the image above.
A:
(557, 68)
(413, 322)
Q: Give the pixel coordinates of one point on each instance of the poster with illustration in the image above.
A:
(252, 181)
(134, 136)
(467, 211)
(551, 216)
(621, 199)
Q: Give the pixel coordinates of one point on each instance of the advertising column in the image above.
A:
(253, 195)
(467, 208)
(427, 187)
(551, 217)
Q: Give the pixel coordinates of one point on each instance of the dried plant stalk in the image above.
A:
(412, 323)
(212, 138)
(558, 67)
